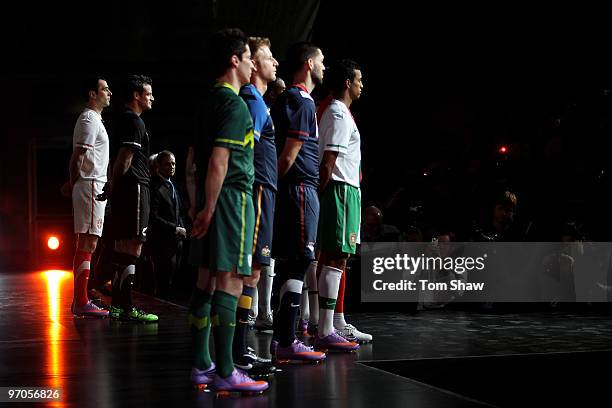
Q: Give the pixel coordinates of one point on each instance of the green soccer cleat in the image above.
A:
(115, 312)
(138, 316)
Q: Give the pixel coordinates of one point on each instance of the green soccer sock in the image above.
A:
(199, 323)
(223, 317)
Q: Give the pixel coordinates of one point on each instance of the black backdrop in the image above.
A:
(444, 88)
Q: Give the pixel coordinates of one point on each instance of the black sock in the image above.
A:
(287, 313)
(125, 268)
(242, 321)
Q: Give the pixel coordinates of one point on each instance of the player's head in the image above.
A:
(306, 57)
(264, 62)
(229, 50)
(140, 91)
(166, 163)
(345, 76)
(504, 210)
(97, 91)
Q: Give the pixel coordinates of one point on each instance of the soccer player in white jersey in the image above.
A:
(339, 189)
(88, 176)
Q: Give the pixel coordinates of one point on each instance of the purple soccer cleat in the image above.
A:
(202, 378)
(299, 351)
(238, 381)
(89, 309)
(335, 342)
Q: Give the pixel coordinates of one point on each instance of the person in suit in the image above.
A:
(167, 228)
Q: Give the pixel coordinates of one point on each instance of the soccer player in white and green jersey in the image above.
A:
(340, 162)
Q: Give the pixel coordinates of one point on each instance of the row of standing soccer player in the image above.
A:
(311, 187)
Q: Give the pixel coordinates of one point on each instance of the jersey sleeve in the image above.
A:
(259, 114)
(234, 128)
(335, 131)
(85, 131)
(131, 132)
(301, 116)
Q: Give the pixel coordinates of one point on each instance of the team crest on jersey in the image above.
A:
(265, 251)
(249, 260)
(311, 246)
(353, 238)
(99, 223)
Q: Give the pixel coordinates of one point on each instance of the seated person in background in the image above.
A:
(373, 229)
(501, 225)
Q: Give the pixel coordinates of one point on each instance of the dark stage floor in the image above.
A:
(437, 358)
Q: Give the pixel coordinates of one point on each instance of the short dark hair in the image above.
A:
(161, 155)
(223, 45)
(337, 75)
(136, 83)
(91, 84)
(298, 54)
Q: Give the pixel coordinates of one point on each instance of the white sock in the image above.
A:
(254, 304)
(339, 321)
(313, 293)
(266, 282)
(329, 283)
(304, 305)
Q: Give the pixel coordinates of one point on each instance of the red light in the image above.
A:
(53, 243)
(503, 149)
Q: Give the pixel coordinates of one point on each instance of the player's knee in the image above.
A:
(229, 282)
(87, 243)
(337, 260)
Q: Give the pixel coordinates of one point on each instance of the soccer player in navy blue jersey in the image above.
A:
(294, 115)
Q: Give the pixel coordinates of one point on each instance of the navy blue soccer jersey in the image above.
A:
(294, 115)
(265, 145)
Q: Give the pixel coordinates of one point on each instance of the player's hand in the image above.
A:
(181, 232)
(66, 189)
(201, 223)
(106, 190)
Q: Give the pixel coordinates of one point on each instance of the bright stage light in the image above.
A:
(53, 242)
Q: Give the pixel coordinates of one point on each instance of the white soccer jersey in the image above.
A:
(339, 133)
(90, 134)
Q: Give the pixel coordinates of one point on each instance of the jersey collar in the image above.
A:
(226, 85)
(302, 87)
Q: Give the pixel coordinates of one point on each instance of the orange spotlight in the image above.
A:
(53, 242)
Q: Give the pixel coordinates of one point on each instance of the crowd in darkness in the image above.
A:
(558, 173)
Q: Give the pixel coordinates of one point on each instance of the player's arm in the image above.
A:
(217, 170)
(122, 162)
(287, 157)
(76, 161)
(190, 181)
(327, 167)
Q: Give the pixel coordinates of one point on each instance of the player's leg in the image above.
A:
(305, 208)
(131, 227)
(88, 223)
(332, 226)
(350, 239)
(231, 255)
